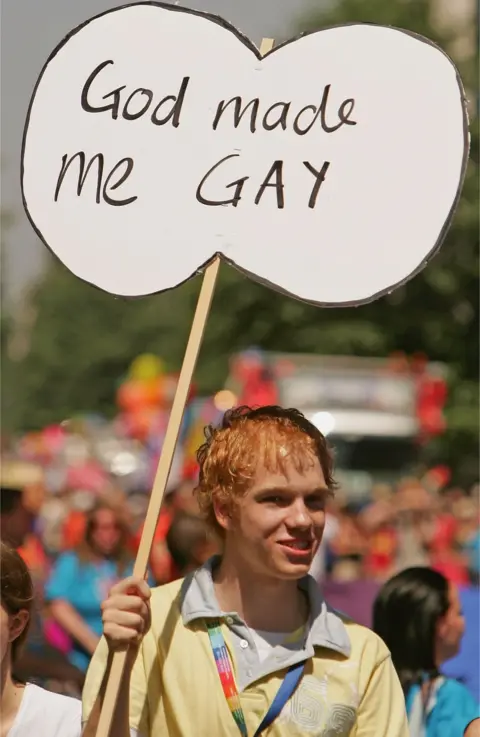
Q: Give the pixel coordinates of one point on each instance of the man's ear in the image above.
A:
(223, 513)
(17, 623)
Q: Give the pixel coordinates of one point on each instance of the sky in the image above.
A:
(30, 30)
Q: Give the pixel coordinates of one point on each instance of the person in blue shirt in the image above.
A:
(81, 579)
(464, 667)
(418, 615)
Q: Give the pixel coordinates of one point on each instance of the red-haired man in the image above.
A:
(246, 645)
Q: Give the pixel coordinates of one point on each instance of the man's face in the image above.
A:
(277, 525)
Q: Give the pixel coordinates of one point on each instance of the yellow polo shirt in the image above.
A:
(349, 687)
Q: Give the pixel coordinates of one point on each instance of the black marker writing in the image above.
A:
(137, 103)
(280, 117)
(238, 184)
(140, 99)
(238, 112)
(344, 112)
(277, 114)
(274, 180)
(319, 178)
(277, 170)
(103, 185)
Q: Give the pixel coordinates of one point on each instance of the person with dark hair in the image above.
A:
(246, 644)
(417, 614)
(189, 542)
(26, 709)
(16, 521)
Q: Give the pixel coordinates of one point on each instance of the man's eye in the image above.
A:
(274, 500)
(316, 502)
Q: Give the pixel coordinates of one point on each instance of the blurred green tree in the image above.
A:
(83, 340)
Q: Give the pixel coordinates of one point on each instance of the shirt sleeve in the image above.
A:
(382, 712)
(139, 717)
(62, 577)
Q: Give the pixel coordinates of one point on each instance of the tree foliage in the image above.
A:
(83, 340)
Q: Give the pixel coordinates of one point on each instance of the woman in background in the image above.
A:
(417, 614)
(26, 709)
(82, 578)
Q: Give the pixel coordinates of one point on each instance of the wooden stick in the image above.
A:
(161, 477)
(266, 45)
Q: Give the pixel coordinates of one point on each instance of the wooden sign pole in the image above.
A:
(161, 476)
(165, 462)
(266, 45)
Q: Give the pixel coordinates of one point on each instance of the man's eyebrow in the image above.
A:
(321, 490)
(277, 488)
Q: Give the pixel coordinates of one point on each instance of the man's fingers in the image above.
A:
(133, 585)
(125, 602)
(119, 637)
(124, 619)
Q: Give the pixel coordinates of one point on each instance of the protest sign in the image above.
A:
(157, 137)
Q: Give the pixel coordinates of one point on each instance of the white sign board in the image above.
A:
(157, 137)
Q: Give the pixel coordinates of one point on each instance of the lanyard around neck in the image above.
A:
(225, 672)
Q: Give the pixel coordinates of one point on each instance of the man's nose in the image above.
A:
(298, 516)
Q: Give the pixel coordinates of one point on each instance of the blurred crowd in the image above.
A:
(77, 543)
(403, 526)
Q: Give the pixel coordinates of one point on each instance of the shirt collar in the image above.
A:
(326, 628)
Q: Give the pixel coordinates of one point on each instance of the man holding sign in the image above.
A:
(247, 641)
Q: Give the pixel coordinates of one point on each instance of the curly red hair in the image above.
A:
(247, 438)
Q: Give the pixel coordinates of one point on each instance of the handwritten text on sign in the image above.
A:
(132, 105)
(328, 169)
